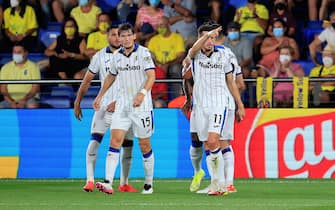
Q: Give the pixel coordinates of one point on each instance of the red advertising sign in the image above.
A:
(285, 143)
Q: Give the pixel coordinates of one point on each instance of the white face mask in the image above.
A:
(14, 3)
(284, 59)
(17, 58)
(327, 61)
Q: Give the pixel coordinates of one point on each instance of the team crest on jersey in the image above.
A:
(147, 58)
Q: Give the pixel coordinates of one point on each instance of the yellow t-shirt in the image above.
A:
(97, 40)
(326, 71)
(86, 21)
(29, 71)
(166, 49)
(248, 21)
(19, 25)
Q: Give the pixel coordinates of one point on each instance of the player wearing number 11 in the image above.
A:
(133, 66)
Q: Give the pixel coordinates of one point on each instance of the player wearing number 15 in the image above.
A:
(133, 66)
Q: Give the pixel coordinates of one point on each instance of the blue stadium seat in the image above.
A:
(309, 35)
(54, 26)
(64, 91)
(107, 5)
(307, 65)
(56, 101)
(87, 102)
(92, 91)
(46, 37)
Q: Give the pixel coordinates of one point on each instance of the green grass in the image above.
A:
(253, 194)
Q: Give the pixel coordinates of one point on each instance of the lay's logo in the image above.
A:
(286, 143)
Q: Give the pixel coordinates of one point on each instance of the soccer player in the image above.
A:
(134, 67)
(212, 71)
(101, 119)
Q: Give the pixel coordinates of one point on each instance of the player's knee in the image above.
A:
(145, 146)
(212, 143)
(97, 137)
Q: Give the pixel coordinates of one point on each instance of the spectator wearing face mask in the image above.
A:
(326, 36)
(169, 51)
(326, 70)
(271, 45)
(66, 53)
(281, 11)
(20, 25)
(98, 39)
(86, 15)
(20, 68)
(253, 19)
(284, 68)
(147, 20)
(241, 47)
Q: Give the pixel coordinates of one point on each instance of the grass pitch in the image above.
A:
(253, 194)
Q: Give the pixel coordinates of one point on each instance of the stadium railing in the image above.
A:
(248, 96)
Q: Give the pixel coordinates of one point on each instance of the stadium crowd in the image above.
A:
(276, 38)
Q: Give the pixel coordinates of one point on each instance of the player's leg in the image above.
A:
(196, 157)
(126, 161)
(227, 152)
(216, 118)
(98, 128)
(120, 124)
(143, 129)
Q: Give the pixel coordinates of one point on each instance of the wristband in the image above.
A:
(144, 92)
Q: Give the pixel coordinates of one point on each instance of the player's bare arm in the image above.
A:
(151, 77)
(201, 41)
(109, 80)
(236, 94)
(81, 92)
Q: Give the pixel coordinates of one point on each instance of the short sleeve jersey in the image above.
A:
(131, 73)
(209, 75)
(97, 40)
(101, 64)
(236, 71)
(86, 21)
(20, 25)
(29, 71)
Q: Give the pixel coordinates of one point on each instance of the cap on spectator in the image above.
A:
(235, 25)
(147, 28)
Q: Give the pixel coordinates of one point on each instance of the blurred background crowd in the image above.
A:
(55, 40)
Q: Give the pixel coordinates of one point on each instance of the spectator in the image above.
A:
(124, 9)
(181, 14)
(20, 68)
(241, 47)
(61, 8)
(314, 13)
(66, 53)
(169, 51)
(253, 19)
(327, 35)
(41, 17)
(281, 11)
(86, 15)
(284, 68)
(20, 25)
(271, 45)
(98, 40)
(327, 70)
(147, 20)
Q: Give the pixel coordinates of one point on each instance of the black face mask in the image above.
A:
(251, 1)
(280, 6)
(333, 24)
